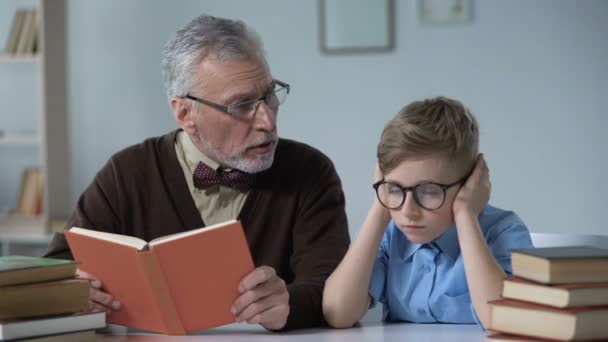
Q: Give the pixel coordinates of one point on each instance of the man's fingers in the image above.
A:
(264, 299)
(258, 276)
(273, 318)
(262, 305)
(84, 275)
(99, 300)
(98, 307)
(276, 285)
(104, 299)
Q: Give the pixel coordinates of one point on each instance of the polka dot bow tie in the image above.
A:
(204, 177)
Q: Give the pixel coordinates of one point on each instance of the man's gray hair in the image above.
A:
(223, 39)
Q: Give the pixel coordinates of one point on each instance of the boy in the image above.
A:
(431, 249)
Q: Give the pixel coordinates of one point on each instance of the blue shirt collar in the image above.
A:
(447, 243)
(410, 248)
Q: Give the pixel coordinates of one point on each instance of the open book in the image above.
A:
(175, 284)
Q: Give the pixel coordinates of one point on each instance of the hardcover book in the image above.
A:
(16, 269)
(541, 321)
(176, 284)
(561, 265)
(40, 299)
(560, 296)
(80, 322)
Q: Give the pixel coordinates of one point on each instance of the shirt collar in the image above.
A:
(447, 243)
(410, 249)
(192, 154)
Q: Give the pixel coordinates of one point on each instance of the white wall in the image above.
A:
(534, 72)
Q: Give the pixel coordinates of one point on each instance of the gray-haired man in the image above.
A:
(224, 162)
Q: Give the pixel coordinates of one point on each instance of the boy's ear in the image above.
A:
(182, 113)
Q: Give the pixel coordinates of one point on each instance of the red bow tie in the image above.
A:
(204, 177)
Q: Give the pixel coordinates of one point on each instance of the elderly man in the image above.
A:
(224, 162)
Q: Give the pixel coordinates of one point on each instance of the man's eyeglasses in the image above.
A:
(248, 108)
(430, 196)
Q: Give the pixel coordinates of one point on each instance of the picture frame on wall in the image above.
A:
(356, 26)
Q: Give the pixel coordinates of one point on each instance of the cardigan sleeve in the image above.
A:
(320, 240)
(94, 210)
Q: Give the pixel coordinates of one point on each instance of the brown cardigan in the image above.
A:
(294, 218)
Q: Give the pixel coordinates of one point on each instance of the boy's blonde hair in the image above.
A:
(436, 126)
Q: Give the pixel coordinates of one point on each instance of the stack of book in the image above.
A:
(557, 293)
(31, 193)
(42, 300)
(23, 36)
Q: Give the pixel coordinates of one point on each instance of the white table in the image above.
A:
(399, 332)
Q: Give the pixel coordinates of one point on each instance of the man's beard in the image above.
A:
(239, 160)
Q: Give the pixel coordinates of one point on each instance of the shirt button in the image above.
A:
(421, 312)
(427, 269)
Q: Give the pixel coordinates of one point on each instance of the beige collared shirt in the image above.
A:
(217, 203)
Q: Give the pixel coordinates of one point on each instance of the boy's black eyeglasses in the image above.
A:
(247, 109)
(430, 196)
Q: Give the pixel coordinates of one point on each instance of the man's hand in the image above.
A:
(264, 299)
(99, 300)
(475, 193)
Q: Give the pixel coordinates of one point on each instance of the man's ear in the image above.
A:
(183, 115)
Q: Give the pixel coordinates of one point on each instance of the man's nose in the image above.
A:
(265, 118)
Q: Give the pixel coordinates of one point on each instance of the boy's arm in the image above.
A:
(484, 275)
(345, 296)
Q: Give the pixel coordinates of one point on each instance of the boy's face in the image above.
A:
(417, 223)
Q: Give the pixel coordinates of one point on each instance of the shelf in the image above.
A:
(23, 229)
(19, 58)
(10, 138)
(48, 134)
(23, 235)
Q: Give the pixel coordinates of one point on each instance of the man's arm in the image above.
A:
(93, 211)
(320, 240)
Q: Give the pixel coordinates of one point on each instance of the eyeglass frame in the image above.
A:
(227, 109)
(412, 189)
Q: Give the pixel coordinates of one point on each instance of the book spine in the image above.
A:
(162, 295)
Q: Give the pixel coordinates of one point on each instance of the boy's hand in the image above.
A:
(377, 208)
(475, 193)
(377, 173)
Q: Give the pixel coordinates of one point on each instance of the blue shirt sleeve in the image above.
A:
(377, 284)
(502, 241)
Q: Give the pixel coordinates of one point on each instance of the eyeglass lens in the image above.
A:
(427, 195)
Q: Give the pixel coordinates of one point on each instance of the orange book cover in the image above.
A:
(176, 284)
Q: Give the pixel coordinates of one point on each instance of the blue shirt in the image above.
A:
(426, 283)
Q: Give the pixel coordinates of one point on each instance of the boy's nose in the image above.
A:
(410, 208)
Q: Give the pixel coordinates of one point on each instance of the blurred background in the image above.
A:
(535, 73)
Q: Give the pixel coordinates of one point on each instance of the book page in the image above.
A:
(202, 271)
(116, 238)
(176, 236)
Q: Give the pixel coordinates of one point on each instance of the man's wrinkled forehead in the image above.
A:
(235, 76)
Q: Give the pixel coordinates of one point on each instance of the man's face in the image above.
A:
(247, 144)
(419, 224)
